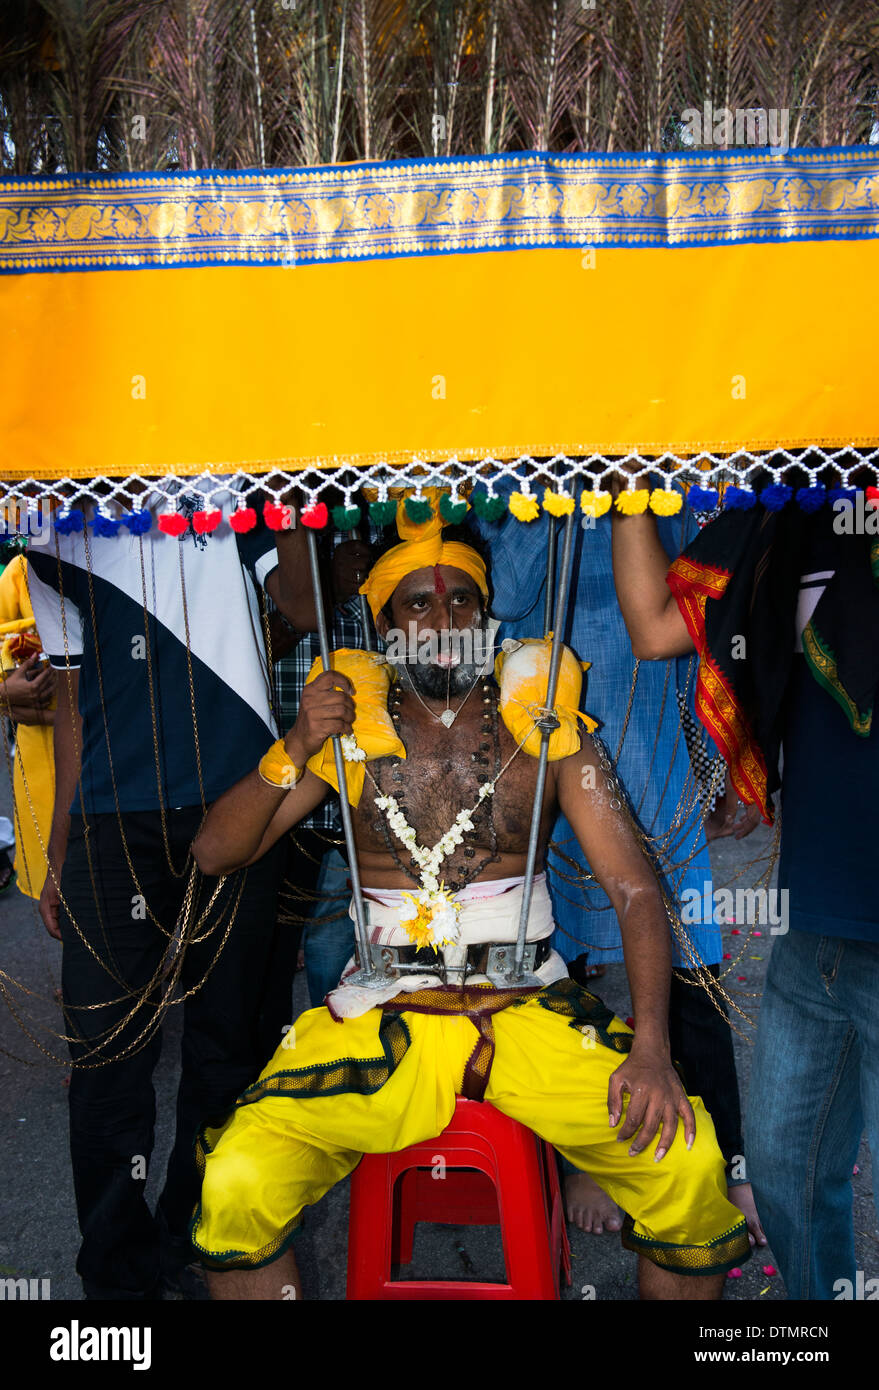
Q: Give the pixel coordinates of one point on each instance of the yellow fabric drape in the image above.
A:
(174, 369)
(34, 758)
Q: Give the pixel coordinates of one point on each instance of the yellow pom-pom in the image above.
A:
(523, 506)
(557, 503)
(633, 503)
(595, 503)
(664, 501)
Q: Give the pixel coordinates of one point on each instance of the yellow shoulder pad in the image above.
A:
(374, 733)
(522, 675)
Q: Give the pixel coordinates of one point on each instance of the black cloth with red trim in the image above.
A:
(737, 585)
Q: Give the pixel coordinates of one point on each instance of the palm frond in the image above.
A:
(140, 84)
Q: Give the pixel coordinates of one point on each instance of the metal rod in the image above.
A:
(365, 615)
(366, 963)
(550, 575)
(366, 623)
(561, 605)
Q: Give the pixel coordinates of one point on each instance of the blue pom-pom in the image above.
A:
(776, 496)
(742, 498)
(104, 525)
(809, 499)
(702, 499)
(69, 521)
(843, 494)
(138, 523)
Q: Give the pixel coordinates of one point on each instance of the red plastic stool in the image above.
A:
(516, 1186)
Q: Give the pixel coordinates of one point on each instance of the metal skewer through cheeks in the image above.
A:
(367, 975)
(518, 975)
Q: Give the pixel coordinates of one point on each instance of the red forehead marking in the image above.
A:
(438, 585)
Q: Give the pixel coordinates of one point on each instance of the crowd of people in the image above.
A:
(178, 819)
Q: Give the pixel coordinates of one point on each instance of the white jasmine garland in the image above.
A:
(440, 909)
(351, 751)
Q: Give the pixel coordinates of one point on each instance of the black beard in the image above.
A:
(438, 682)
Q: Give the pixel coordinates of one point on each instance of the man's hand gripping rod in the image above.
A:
(367, 975)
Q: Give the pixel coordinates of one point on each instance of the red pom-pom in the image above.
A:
(316, 516)
(277, 517)
(735, 932)
(244, 519)
(727, 956)
(172, 523)
(207, 521)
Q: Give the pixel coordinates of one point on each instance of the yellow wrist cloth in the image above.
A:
(278, 769)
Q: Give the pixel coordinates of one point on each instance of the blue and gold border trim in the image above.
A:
(436, 207)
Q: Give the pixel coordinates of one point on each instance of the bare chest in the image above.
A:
(442, 775)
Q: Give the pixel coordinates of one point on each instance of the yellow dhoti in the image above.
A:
(381, 1082)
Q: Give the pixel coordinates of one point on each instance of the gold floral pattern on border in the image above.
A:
(434, 207)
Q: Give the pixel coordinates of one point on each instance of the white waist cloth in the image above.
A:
(485, 917)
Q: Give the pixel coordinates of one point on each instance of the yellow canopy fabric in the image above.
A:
(479, 308)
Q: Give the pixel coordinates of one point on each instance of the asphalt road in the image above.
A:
(38, 1231)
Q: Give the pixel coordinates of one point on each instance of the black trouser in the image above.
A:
(701, 1043)
(124, 1248)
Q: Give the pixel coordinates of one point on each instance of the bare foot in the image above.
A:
(589, 1207)
(742, 1197)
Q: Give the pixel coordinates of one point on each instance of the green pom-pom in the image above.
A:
(488, 508)
(452, 512)
(418, 509)
(383, 513)
(346, 518)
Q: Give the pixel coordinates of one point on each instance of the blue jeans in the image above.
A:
(328, 941)
(814, 1090)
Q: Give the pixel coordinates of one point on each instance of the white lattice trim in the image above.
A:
(214, 484)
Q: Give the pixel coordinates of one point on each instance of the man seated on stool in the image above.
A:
(378, 1069)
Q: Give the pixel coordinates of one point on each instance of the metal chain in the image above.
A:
(182, 935)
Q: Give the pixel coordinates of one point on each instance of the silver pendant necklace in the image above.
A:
(448, 716)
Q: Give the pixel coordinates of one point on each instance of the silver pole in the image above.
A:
(550, 575)
(547, 724)
(367, 972)
(365, 615)
(366, 623)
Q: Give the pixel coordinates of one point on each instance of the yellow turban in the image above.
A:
(422, 548)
